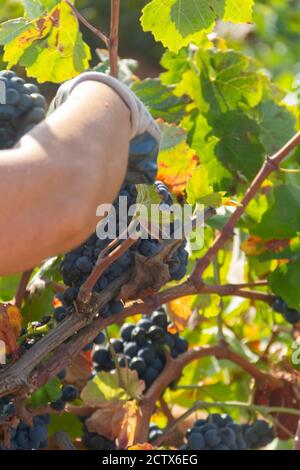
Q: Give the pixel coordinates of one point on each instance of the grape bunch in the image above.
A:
(141, 347)
(258, 435)
(24, 437)
(24, 108)
(220, 432)
(291, 315)
(79, 262)
(69, 393)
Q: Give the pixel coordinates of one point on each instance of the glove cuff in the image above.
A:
(141, 119)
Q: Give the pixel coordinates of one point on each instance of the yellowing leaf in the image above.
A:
(238, 11)
(104, 386)
(227, 201)
(15, 319)
(198, 185)
(180, 311)
(118, 385)
(176, 165)
(36, 30)
(10, 327)
(50, 47)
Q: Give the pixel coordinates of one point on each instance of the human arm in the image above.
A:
(59, 173)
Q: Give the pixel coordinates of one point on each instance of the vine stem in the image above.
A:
(88, 25)
(22, 287)
(30, 373)
(114, 37)
(263, 410)
(101, 266)
(271, 164)
(173, 370)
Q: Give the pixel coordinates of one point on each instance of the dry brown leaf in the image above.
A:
(148, 277)
(10, 327)
(107, 420)
(79, 371)
(116, 420)
(130, 423)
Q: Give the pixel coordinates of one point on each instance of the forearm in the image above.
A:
(58, 175)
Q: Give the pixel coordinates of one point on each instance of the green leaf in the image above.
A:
(284, 282)
(8, 287)
(176, 23)
(35, 8)
(12, 29)
(204, 143)
(68, 422)
(198, 186)
(160, 100)
(227, 78)
(49, 392)
(282, 219)
(37, 305)
(238, 147)
(176, 65)
(277, 125)
(171, 136)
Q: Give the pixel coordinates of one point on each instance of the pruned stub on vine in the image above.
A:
(286, 396)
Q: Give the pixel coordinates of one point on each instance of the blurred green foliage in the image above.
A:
(274, 40)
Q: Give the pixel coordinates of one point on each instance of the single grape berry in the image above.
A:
(69, 393)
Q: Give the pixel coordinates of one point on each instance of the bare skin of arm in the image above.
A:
(53, 181)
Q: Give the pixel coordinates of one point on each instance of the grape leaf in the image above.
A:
(182, 21)
(49, 392)
(104, 386)
(171, 136)
(284, 282)
(238, 147)
(160, 100)
(176, 65)
(39, 303)
(36, 8)
(50, 47)
(10, 327)
(180, 311)
(202, 140)
(277, 125)
(176, 160)
(282, 219)
(8, 286)
(238, 11)
(198, 186)
(11, 29)
(66, 421)
(227, 78)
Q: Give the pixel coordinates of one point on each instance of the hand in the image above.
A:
(145, 133)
